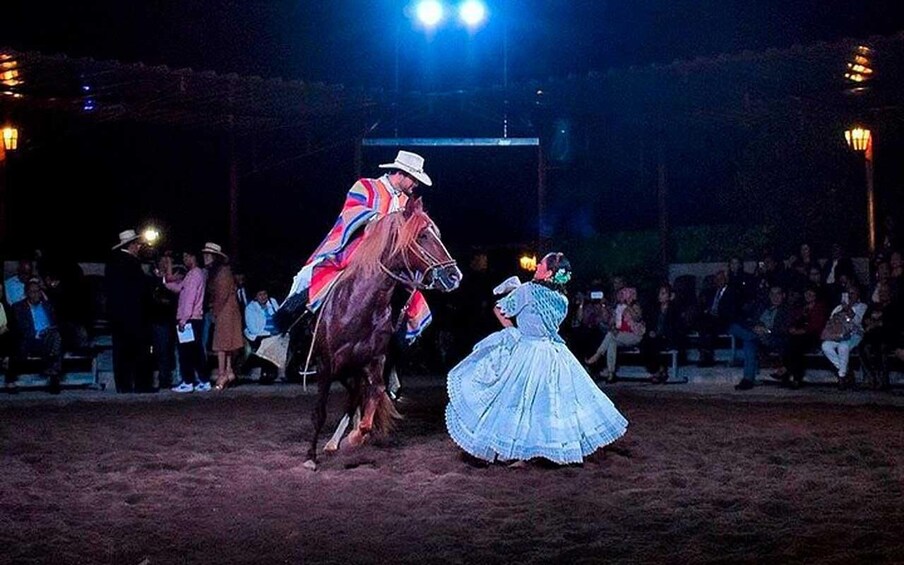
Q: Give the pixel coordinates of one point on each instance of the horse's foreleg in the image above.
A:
(318, 417)
(333, 444)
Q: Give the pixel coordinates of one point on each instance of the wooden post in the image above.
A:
(542, 238)
(2, 198)
(870, 197)
(663, 209)
(233, 198)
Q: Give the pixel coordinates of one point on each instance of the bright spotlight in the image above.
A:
(429, 12)
(472, 13)
(150, 235)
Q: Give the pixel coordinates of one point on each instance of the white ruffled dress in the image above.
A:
(521, 393)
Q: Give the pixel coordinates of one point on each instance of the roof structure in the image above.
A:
(112, 90)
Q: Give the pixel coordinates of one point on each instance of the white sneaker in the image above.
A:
(183, 387)
(202, 387)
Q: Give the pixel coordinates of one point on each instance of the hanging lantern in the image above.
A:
(857, 138)
(10, 138)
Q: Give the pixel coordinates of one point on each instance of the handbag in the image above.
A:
(840, 327)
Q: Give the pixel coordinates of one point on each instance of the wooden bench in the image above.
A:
(692, 340)
(672, 354)
(78, 370)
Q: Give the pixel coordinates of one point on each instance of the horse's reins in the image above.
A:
(413, 281)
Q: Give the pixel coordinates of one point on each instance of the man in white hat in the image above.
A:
(128, 296)
(367, 201)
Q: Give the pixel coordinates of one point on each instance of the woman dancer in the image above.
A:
(521, 394)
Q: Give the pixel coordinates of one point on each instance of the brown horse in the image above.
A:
(356, 322)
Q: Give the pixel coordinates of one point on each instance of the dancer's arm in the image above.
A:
(506, 322)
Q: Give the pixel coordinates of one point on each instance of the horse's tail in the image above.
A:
(386, 415)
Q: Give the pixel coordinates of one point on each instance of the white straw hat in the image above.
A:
(126, 237)
(213, 248)
(411, 163)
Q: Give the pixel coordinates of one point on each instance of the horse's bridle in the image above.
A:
(411, 278)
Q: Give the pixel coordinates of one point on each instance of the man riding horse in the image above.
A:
(367, 201)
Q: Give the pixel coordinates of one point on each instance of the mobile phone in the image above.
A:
(596, 295)
(845, 298)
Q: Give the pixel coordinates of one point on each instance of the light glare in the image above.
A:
(472, 13)
(429, 12)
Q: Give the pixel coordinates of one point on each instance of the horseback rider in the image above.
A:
(368, 200)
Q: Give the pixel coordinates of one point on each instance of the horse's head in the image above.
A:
(423, 252)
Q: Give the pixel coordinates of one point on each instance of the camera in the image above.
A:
(596, 295)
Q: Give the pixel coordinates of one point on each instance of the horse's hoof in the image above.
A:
(310, 465)
(331, 447)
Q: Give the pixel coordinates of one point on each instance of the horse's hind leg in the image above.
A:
(374, 389)
(318, 417)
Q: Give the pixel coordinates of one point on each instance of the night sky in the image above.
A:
(353, 41)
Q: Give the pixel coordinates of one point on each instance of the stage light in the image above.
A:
(472, 13)
(10, 138)
(528, 262)
(150, 235)
(429, 13)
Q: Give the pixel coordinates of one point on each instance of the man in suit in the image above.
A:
(38, 333)
(128, 300)
(720, 306)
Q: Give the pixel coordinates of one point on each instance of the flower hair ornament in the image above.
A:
(561, 277)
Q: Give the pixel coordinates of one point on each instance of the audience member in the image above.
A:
(38, 334)
(15, 285)
(224, 307)
(128, 296)
(189, 322)
(258, 325)
(768, 330)
(664, 333)
(626, 330)
(807, 322)
(843, 333)
(881, 335)
(162, 316)
(6, 345)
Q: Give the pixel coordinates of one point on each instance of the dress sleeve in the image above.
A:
(515, 301)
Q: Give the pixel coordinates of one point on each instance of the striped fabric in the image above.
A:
(367, 200)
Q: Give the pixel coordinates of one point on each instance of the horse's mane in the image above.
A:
(393, 233)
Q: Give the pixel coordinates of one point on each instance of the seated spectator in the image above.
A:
(590, 317)
(38, 334)
(881, 335)
(767, 329)
(664, 333)
(843, 333)
(258, 325)
(720, 307)
(6, 344)
(71, 299)
(839, 264)
(626, 330)
(807, 323)
(15, 285)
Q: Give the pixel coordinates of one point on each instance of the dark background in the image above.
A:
(89, 180)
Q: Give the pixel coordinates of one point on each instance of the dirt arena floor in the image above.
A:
(218, 479)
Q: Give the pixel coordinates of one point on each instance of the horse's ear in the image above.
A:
(413, 206)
